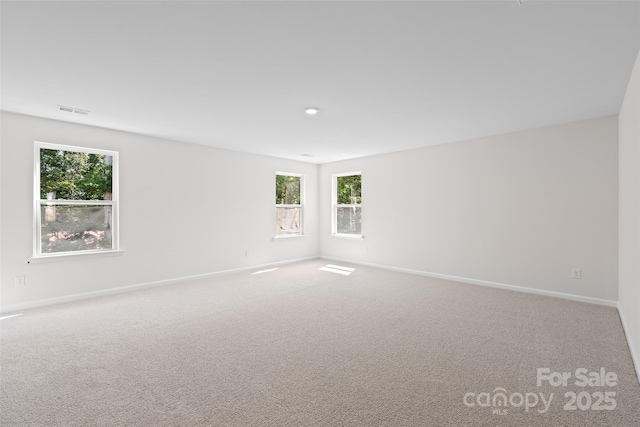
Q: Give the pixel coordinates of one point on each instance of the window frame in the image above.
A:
(334, 206)
(285, 205)
(38, 202)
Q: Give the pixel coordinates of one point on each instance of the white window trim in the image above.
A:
(37, 203)
(301, 206)
(334, 207)
(74, 255)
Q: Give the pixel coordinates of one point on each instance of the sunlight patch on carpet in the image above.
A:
(264, 271)
(338, 269)
(10, 316)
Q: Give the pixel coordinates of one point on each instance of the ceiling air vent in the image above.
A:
(73, 110)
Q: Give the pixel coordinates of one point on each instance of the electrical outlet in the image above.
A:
(18, 281)
(576, 273)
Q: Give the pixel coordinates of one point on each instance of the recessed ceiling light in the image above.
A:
(311, 110)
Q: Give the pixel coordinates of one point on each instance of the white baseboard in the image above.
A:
(572, 297)
(113, 291)
(635, 357)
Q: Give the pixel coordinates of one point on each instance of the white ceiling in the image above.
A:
(387, 76)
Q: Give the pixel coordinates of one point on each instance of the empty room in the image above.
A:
(320, 213)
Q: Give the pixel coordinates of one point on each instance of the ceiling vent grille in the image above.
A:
(73, 110)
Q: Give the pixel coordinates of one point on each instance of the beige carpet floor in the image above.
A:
(300, 346)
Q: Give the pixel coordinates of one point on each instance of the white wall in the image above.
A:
(629, 246)
(519, 209)
(185, 210)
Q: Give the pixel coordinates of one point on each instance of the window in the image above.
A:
(347, 204)
(76, 200)
(289, 198)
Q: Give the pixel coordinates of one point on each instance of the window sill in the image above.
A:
(349, 236)
(289, 236)
(70, 255)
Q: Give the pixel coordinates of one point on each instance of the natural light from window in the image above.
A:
(347, 204)
(289, 201)
(76, 196)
